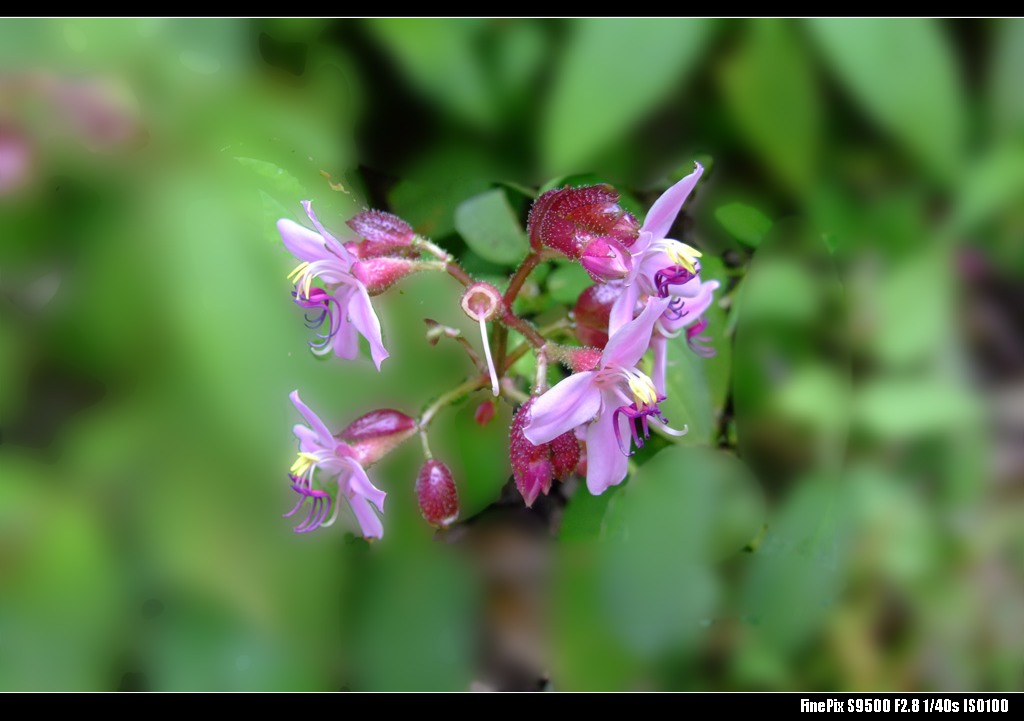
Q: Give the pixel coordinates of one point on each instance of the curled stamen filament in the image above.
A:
(487, 354)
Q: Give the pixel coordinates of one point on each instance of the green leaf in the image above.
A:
(905, 77)
(279, 182)
(612, 74)
(491, 229)
(744, 222)
(683, 509)
(898, 408)
(688, 396)
(440, 57)
(994, 183)
(567, 281)
(1006, 96)
(771, 93)
(797, 570)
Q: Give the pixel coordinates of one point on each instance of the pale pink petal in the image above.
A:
(627, 345)
(659, 349)
(345, 342)
(369, 521)
(359, 484)
(309, 442)
(570, 403)
(301, 242)
(623, 308)
(606, 463)
(331, 241)
(326, 439)
(360, 310)
(665, 209)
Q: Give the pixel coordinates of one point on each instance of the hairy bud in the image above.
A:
(535, 467)
(384, 233)
(437, 495)
(568, 219)
(606, 259)
(376, 434)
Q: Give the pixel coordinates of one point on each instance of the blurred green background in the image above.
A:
(845, 512)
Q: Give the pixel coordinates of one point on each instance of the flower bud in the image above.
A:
(535, 467)
(579, 359)
(379, 274)
(376, 434)
(592, 310)
(567, 219)
(484, 413)
(437, 495)
(383, 232)
(606, 259)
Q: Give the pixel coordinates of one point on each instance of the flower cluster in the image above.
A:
(647, 290)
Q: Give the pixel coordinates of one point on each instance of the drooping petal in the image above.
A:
(333, 243)
(305, 244)
(665, 209)
(359, 483)
(693, 307)
(365, 320)
(627, 345)
(369, 521)
(606, 464)
(313, 420)
(570, 403)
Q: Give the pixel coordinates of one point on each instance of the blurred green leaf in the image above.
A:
(491, 229)
(436, 185)
(818, 395)
(898, 409)
(771, 93)
(277, 180)
(911, 307)
(744, 222)
(797, 570)
(567, 281)
(1006, 96)
(688, 395)
(778, 289)
(994, 182)
(439, 55)
(599, 94)
(905, 77)
(701, 504)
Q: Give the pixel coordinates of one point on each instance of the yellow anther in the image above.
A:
(298, 270)
(684, 255)
(303, 463)
(643, 389)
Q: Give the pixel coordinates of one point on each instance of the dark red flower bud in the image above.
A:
(568, 219)
(484, 413)
(535, 467)
(591, 312)
(376, 434)
(379, 274)
(437, 495)
(383, 232)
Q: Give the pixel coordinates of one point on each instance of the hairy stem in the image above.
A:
(451, 396)
(522, 273)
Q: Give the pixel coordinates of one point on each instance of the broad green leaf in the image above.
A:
(897, 409)
(491, 229)
(440, 57)
(567, 281)
(772, 96)
(994, 183)
(903, 74)
(276, 180)
(744, 222)
(688, 396)
(613, 72)
(797, 570)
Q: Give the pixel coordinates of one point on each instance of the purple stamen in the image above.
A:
(636, 414)
(319, 509)
(321, 300)
(697, 341)
(672, 275)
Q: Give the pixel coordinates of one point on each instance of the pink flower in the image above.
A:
(321, 452)
(343, 304)
(609, 400)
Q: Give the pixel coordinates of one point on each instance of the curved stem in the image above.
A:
(450, 397)
(522, 273)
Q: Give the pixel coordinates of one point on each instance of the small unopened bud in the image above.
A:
(567, 219)
(484, 413)
(578, 359)
(437, 495)
(379, 274)
(535, 467)
(376, 434)
(383, 232)
(606, 259)
(592, 310)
